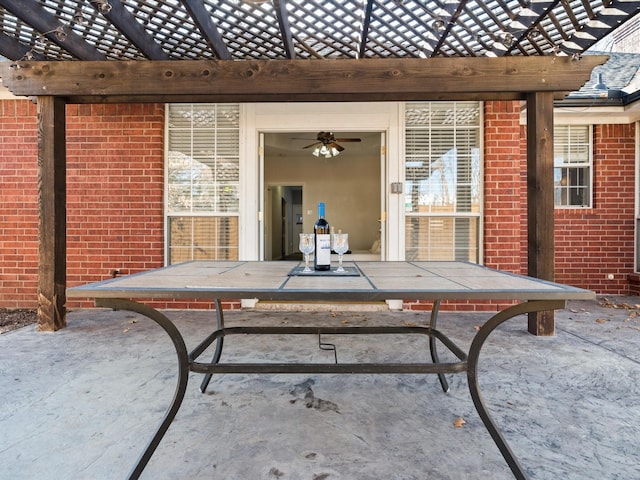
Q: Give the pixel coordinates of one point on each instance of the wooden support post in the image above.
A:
(52, 253)
(540, 204)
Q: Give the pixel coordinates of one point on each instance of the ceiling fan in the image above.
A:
(327, 144)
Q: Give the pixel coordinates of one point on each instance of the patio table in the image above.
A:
(363, 282)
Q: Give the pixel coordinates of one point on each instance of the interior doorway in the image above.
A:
(349, 183)
(283, 204)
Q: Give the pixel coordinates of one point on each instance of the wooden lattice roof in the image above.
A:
(302, 29)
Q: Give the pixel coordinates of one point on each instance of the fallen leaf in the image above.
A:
(602, 320)
(410, 324)
(344, 322)
(477, 327)
(125, 330)
(133, 321)
(458, 422)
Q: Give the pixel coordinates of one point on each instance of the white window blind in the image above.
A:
(442, 180)
(203, 158)
(202, 180)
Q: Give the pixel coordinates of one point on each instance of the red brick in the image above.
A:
(115, 201)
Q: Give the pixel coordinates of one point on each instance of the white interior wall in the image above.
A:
(349, 186)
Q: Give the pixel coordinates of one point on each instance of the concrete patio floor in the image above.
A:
(81, 403)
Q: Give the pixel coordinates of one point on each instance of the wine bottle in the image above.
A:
(322, 238)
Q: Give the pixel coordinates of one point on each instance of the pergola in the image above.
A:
(135, 51)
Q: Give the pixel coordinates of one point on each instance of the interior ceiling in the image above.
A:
(302, 29)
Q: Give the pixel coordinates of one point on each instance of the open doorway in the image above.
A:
(350, 185)
(283, 204)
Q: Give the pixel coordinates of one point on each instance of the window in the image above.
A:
(442, 181)
(202, 182)
(572, 165)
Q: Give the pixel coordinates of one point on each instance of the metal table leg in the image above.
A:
(432, 344)
(470, 363)
(218, 351)
(472, 372)
(183, 374)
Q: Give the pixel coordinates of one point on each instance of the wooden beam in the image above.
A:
(280, 7)
(522, 25)
(303, 80)
(366, 23)
(209, 31)
(127, 24)
(455, 11)
(382, 97)
(540, 203)
(52, 278)
(11, 48)
(46, 23)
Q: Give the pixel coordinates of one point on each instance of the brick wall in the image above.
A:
(592, 243)
(596, 242)
(115, 181)
(115, 201)
(18, 204)
(114, 190)
(504, 190)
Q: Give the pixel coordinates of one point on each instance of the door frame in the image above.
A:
(258, 119)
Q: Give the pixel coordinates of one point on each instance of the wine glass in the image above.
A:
(340, 246)
(307, 246)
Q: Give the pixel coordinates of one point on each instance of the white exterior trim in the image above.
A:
(595, 115)
(5, 94)
(295, 117)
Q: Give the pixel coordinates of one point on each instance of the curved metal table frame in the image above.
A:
(374, 281)
(467, 362)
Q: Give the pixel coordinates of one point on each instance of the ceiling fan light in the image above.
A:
(316, 151)
(334, 151)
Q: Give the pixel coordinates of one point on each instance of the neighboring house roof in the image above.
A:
(617, 82)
